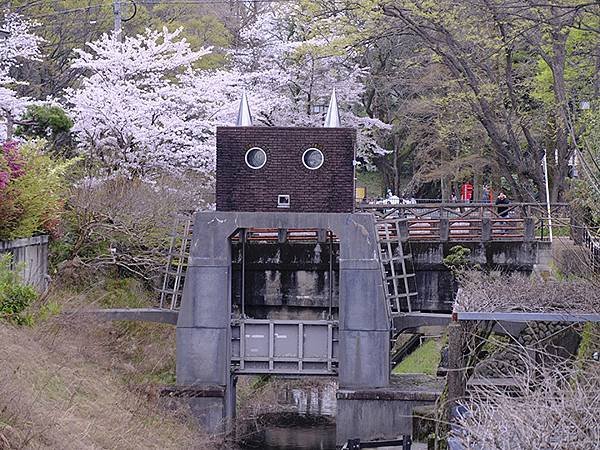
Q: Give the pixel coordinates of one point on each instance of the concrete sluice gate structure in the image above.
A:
(285, 278)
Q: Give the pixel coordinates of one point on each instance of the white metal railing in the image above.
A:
(592, 243)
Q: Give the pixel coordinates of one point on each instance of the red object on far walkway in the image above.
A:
(466, 192)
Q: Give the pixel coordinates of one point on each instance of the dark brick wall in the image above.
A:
(327, 189)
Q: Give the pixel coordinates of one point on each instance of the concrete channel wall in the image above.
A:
(290, 280)
(30, 258)
(435, 282)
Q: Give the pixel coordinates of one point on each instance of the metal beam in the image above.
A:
(528, 316)
(167, 316)
(415, 320)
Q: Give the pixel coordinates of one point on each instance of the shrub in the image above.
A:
(44, 120)
(457, 260)
(32, 185)
(123, 225)
(47, 122)
(15, 297)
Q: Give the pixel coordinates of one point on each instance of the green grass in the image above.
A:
(424, 359)
(124, 293)
(557, 231)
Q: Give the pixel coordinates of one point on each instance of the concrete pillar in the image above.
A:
(444, 229)
(529, 232)
(203, 326)
(364, 325)
(364, 348)
(486, 229)
(364, 331)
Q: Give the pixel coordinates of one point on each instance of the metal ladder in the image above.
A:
(171, 291)
(397, 268)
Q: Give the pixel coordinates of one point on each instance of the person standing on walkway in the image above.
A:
(485, 194)
(501, 203)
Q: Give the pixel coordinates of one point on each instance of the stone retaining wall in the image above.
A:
(544, 341)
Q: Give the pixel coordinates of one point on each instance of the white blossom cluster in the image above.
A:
(143, 106)
(290, 76)
(18, 46)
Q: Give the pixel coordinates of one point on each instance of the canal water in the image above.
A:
(321, 437)
(307, 420)
(304, 420)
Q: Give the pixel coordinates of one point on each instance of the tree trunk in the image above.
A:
(559, 40)
(396, 171)
(10, 125)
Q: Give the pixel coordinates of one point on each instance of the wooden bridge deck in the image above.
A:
(474, 221)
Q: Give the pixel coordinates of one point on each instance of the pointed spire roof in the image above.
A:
(332, 120)
(244, 117)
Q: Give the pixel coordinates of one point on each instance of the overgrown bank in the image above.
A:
(67, 383)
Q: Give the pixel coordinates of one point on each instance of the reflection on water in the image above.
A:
(313, 401)
(304, 420)
(317, 437)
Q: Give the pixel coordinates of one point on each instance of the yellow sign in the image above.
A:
(361, 193)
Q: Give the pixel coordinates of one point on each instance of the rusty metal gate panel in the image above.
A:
(289, 347)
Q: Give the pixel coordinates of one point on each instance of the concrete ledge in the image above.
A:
(157, 315)
(416, 320)
(408, 387)
(387, 394)
(509, 324)
(386, 413)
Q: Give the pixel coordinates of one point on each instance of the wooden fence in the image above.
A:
(469, 221)
(30, 258)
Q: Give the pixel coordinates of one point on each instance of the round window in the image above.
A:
(256, 158)
(313, 158)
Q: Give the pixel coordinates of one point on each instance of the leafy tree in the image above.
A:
(32, 189)
(201, 26)
(585, 196)
(65, 25)
(46, 121)
(487, 54)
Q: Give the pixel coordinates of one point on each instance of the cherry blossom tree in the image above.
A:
(142, 107)
(20, 45)
(290, 74)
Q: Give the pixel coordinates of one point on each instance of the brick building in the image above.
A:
(285, 169)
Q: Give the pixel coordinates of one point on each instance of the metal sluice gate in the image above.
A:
(291, 347)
